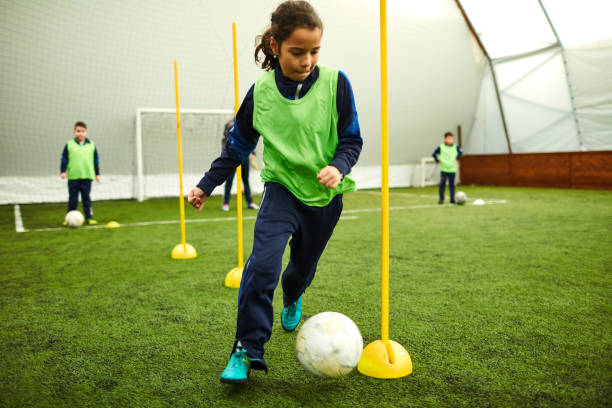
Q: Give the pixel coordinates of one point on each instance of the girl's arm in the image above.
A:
(349, 133)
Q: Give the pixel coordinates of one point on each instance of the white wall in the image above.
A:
(99, 61)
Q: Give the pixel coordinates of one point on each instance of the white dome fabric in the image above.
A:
(552, 62)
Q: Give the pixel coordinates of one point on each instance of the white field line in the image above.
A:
(400, 194)
(18, 219)
(414, 207)
(222, 219)
(166, 222)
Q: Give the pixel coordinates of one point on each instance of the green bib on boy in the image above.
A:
(300, 136)
(448, 157)
(81, 160)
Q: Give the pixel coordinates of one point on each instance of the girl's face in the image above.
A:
(298, 54)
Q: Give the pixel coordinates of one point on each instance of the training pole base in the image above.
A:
(186, 252)
(233, 278)
(375, 360)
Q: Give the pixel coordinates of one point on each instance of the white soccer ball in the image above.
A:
(460, 198)
(329, 344)
(74, 219)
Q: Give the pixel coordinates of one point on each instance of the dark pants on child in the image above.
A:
(245, 184)
(451, 185)
(75, 187)
(281, 216)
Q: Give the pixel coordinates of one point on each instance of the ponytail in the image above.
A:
(265, 47)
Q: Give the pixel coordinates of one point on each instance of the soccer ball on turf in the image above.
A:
(329, 344)
(74, 219)
(460, 198)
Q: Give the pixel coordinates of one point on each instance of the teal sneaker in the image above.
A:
(291, 315)
(237, 370)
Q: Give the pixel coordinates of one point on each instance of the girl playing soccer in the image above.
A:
(306, 115)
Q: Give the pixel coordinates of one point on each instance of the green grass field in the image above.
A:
(507, 304)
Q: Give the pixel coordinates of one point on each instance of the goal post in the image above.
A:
(155, 147)
(428, 172)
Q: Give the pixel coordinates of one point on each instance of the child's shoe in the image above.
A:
(91, 221)
(237, 370)
(441, 202)
(225, 207)
(64, 223)
(291, 315)
(253, 206)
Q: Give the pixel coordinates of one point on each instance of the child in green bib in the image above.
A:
(447, 155)
(80, 166)
(305, 113)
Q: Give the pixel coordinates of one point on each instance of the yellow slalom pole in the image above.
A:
(233, 277)
(384, 358)
(182, 250)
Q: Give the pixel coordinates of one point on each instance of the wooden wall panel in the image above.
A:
(591, 170)
(541, 170)
(492, 170)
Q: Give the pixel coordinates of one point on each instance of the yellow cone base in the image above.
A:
(113, 224)
(375, 361)
(233, 278)
(187, 252)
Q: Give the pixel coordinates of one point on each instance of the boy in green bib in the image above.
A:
(306, 115)
(80, 166)
(447, 155)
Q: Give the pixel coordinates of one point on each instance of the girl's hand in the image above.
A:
(197, 198)
(329, 176)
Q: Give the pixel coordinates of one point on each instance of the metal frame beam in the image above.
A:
(567, 76)
(484, 51)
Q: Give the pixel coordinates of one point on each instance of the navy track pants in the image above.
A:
(451, 185)
(75, 187)
(281, 216)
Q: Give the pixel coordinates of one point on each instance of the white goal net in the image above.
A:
(157, 152)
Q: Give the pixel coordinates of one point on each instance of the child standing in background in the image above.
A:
(80, 166)
(447, 155)
(306, 115)
(227, 193)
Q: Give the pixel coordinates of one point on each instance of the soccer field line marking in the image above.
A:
(400, 194)
(414, 207)
(164, 222)
(222, 219)
(18, 219)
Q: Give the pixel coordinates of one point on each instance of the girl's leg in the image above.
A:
(316, 226)
(276, 222)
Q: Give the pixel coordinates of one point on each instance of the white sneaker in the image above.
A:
(225, 207)
(253, 206)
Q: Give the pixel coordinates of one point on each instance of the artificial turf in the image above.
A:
(507, 304)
